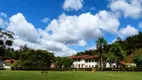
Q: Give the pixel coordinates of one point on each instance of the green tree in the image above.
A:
(117, 51)
(38, 58)
(63, 62)
(101, 44)
(6, 38)
(111, 59)
(24, 48)
(138, 60)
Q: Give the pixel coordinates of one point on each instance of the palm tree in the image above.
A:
(101, 45)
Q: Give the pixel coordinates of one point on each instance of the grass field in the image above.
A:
(70, 75)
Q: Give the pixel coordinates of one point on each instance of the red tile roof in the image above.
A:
(10, 60)
(83, 57)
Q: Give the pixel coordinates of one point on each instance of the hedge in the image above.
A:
(2, 68)
(29, 68)
(119, 69)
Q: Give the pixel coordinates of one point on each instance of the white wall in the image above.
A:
(84, 64)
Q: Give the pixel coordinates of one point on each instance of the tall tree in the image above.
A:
(24, 48)
(101, 44)
(5, 41)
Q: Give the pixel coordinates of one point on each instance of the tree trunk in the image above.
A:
(103, 62)
(100, 59)
(117, 63)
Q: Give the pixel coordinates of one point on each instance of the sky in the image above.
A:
(66, 27)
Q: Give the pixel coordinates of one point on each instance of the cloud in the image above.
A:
(140, 25)
(63, 31)
(57, 48)
(22, 28)
(129, 8)
(127, 31)
(82, 42)
(73, 5)
(92, 8)
(2, 14)
(26, 33)
(20, 42)
(3, 23)
(113, 40)
(92, 48)
(71, 29)
(45, 20)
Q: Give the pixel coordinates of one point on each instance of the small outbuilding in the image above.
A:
(2, 63)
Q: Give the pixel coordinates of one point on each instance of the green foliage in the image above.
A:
(138, 60)
(117, 51)
(1, 42)
(39, 58)
(24, 48)
(111, 59)
(9, 42)
(132, 42)
(87, 52)
(9, 54)
(5, 41)
(131, 56)
(63, 62)
(116, 54)
(101, 44)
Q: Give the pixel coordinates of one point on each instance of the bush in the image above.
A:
(138, 60)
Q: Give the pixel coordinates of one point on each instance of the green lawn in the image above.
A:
(70, 75)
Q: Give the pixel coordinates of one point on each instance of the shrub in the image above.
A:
(138, 60)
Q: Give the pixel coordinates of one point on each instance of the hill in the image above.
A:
(130, 57)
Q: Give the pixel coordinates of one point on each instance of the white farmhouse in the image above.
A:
(85, 61)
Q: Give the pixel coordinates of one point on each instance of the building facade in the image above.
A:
(85, 61)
